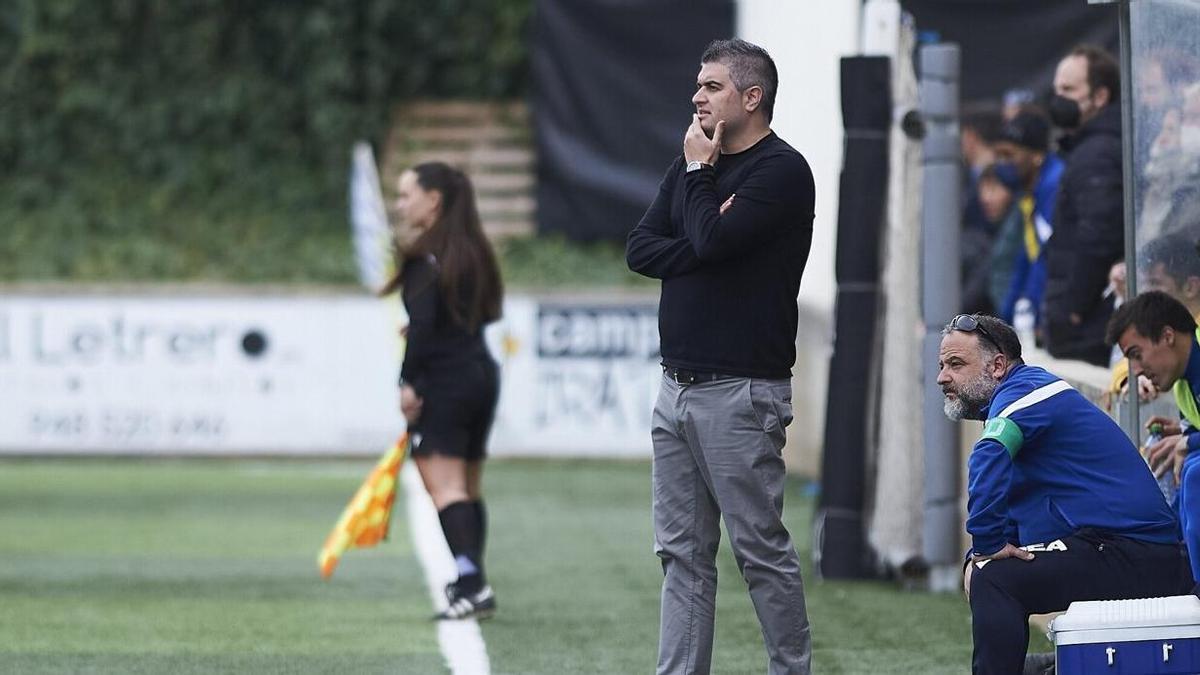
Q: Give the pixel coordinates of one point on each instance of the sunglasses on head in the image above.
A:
(968, 323)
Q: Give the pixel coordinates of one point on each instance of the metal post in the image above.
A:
(941, 220)
(1131, 421)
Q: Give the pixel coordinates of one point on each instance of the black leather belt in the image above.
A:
(682, 376)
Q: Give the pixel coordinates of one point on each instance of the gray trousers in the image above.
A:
(717, 452)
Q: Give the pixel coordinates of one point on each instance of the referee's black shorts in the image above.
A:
(459, 404)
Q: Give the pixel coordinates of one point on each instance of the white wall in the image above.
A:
(807, 38)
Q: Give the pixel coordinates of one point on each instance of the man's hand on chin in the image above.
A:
(698, 147)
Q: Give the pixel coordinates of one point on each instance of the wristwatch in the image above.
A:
(696, 166)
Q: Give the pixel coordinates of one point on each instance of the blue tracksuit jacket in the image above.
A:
(1050, 463)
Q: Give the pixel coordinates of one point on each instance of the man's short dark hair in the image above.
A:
(1102, 70)
(1003, 340)
(1150, 313)
(749, 66)
(1175, 252)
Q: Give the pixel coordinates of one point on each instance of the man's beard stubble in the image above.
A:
(972, 399)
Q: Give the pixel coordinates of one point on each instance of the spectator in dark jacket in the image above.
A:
(1089, 219)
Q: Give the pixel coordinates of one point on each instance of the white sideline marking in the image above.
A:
(461, 641)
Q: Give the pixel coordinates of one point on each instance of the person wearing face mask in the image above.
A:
(1024, 158)
(1089, 233)
(1060, 505)
(449, 383)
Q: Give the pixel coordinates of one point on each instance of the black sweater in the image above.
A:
(436, 343)
(729, 282)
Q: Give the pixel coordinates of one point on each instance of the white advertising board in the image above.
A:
(304, 375)
(578, 378)
(182, 374)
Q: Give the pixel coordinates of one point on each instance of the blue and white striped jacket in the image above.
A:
(1050, 463)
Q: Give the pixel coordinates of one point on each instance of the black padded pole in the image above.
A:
(867, 116)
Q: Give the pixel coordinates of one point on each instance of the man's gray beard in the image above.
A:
(972, 400)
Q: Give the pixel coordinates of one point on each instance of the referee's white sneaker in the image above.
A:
(478, 605)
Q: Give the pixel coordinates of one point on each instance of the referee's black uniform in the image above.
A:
(449, 367)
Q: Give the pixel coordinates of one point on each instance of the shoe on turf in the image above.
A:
(462, 586)
(1039, 664)
(478, 605)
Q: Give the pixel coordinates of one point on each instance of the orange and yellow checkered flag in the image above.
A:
(366, 518)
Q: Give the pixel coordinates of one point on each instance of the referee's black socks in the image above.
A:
(461, 525)
(481, 523)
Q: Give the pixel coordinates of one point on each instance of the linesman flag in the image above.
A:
(366, 518)
(368, 220)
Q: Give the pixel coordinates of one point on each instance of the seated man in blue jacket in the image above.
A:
(1061, 507)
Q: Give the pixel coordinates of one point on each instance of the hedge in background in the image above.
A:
(208, 139)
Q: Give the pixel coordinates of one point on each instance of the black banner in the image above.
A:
(1014, 43)
(613, 82)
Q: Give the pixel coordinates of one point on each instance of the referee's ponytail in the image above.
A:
(468, 274)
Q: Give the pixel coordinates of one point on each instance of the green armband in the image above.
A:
(1004, 431)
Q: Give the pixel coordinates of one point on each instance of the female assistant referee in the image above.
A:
(449, 383)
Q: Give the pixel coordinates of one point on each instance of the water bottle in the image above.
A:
(1166, 484)
(1023, 322)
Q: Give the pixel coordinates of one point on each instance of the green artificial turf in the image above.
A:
(202, 566)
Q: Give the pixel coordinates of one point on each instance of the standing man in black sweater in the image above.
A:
(728, 235)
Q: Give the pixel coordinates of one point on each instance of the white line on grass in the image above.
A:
(461, 641)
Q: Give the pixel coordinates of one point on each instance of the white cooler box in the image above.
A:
(1154, 635)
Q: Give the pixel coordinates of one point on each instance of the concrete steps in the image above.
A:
(491, 141)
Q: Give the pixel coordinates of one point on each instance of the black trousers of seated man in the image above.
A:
(1088, 565)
